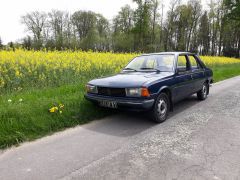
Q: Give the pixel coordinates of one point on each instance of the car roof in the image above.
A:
(174, 53)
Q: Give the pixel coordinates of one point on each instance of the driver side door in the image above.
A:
(183, 78)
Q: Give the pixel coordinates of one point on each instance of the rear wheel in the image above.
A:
(161, 108)
(202, 94)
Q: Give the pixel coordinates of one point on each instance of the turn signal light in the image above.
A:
(145, 92)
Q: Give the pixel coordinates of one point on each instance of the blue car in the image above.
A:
(153, 82)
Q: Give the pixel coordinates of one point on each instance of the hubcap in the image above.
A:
(162, 107)
(204, 90)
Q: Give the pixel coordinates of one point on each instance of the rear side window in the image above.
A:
(194, 63)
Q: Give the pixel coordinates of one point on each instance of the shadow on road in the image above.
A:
(126, 124)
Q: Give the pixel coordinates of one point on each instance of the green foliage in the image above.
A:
(143, 29)
(142, 25)
(123, 42)
(123, 37)
(92, 29)
(233, 7)
(203, 37)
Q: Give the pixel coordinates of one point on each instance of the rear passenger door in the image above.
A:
(197, 73)
(183, 78)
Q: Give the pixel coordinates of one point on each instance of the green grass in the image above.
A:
(30, 119)
(225, 71)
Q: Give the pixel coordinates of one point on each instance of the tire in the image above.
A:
(202, 94)
(161, 108)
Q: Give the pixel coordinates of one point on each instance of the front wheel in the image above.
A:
(161, 108)
(202, 94)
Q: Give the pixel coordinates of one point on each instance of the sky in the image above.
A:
(11, 11)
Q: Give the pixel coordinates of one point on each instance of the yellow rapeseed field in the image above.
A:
(21, 69)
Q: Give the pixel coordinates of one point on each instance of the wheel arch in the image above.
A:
(167, 90)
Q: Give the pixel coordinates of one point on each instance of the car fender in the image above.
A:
(164, 88)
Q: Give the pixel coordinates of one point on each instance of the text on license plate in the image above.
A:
(108, 104)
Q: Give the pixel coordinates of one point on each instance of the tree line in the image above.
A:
(185, 27)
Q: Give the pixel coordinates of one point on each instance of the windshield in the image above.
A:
(161, 62)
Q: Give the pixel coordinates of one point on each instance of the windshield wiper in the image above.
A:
(131, 69)
(146, 68)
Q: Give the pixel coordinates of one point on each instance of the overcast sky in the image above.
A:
(11, 28)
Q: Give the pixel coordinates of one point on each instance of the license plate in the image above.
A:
(108, 104)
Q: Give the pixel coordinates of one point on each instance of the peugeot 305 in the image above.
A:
(153, 83)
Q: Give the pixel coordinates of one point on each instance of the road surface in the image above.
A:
(200, 140)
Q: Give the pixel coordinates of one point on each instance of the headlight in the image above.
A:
(137, 92)
(91, 89)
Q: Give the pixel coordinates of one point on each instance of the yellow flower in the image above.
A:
(17, 73)
(53, 109)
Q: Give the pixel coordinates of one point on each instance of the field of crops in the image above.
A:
(42, 92)
(23, 69)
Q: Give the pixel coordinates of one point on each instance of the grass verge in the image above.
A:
(225, 71)
(29, 119)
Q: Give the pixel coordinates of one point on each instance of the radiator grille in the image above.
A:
(118, 92)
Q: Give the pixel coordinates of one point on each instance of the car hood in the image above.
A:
(132, 79)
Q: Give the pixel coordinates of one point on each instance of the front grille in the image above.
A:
(118, 92)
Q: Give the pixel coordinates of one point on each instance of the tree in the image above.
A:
(204, 34)
(83, 21)
(92, 30)
(183, 12)
(35, 23)
(213, 26)
(102, 26)
(161, 30)
(169, 27)
(215, 31)
(27, 42)
(123, 22)
(231, 38)
(11, 45)
(142, 16)
(234, 9)
(59, 24)
(155, 15)
(232, 21)
(195, 13)
(122, 30)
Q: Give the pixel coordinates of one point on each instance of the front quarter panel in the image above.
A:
(156, 87)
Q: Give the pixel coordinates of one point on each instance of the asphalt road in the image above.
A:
(200, 140)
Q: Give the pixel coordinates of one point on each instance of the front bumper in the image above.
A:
(123, 103)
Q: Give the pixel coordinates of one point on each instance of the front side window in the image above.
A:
(183, 64)
(164, 63)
